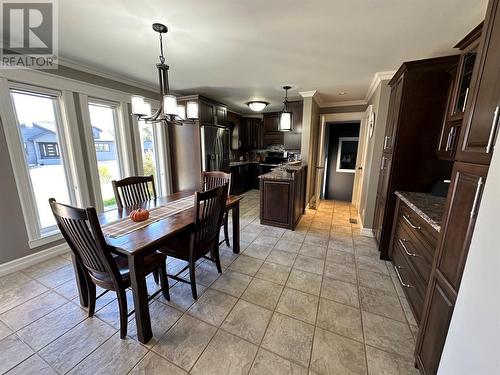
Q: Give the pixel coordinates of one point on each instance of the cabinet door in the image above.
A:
(458, 223)
(378, 217)
(482, 115)
(393, 117)
(433, 330)
(271, 123)
(221, 115)
(207, 115)
(385, 173)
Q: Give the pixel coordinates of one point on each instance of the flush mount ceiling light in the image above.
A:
(285, 124)
(257, 105)
(169, 112)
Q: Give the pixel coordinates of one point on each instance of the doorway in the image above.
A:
(342, 140)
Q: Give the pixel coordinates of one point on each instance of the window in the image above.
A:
(40, 131)
(104, 123)
(148, 149)
(102, 147)
(49, 150)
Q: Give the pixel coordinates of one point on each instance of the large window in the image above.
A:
(149, 155)
(104, 122)
(40, 134)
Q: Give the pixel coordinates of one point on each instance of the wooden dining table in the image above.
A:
(136, 245)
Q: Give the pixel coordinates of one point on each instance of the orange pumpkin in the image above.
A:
(139, 215)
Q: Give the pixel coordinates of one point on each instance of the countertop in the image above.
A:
(237, 163)
(283, 172)
(429, 207)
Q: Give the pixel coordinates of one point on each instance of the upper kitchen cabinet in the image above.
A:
(234, 124)
(461, 76)
(251, 133)
(481, 118)
(210, 112)
(272, 134)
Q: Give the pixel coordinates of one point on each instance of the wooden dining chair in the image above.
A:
(203, 237)
(211, 180)
(82, 231)
(133, 190)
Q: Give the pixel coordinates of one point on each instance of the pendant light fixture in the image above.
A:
(285, 124)
(169, 112)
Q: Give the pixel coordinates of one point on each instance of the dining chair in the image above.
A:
(82, 231)
(203, 237)
(133, 190)
(214, 179)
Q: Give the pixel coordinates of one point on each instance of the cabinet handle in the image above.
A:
(386, 139)
(382, 165)
(402, 242)
(397, 268)
(492, 131)
(476, 197)
(448, 141)
(465, 99)
(407, 219)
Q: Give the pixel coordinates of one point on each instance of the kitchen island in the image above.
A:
(282, 195)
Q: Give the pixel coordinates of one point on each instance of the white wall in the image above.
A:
(473, 342)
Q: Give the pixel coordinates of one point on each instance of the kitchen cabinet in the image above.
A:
(461, 76)
(282, 197)
(244, 176)
(482, 111)
(272, 135)
(234, 125)
(252, 133)
(449, 261)
(210, 112)
(419, 92)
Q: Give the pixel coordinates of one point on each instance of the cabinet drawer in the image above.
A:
(412, 285)
(414, 252)
(417, 226)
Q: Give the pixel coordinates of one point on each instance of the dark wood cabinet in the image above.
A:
(244, 177)
(461, 77)
(252, 133)
(419, 92)
(271, 133)
(482, 110)
(456, 233)
(234, 124)
(210, 112)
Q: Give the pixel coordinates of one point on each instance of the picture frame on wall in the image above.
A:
(346, 154)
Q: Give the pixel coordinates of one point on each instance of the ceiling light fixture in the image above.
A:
(257, 105)
(285, 124)
(169, 112)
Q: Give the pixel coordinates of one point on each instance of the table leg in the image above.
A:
(81, 282)
(236, 228)
(140, 294)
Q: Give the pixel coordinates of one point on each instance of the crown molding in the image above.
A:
(377, 78)
(109, 75)
(345, 103)
(308, 94)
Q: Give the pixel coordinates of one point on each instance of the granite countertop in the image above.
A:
(237, 163)
(283, 172)
(428, 207)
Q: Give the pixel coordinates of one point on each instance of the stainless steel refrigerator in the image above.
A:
(215, 143)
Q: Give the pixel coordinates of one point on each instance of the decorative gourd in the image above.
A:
(139, 215)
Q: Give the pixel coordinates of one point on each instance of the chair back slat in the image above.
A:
(81, 230)
(134, 190)
(209, 210)
(212, 180)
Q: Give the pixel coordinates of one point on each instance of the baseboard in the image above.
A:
(367, 232)
(29, 260)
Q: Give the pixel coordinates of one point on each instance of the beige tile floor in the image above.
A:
(313, 301)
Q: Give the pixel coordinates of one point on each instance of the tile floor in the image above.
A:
(313, 301)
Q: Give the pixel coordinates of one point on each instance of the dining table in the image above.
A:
(137, 244)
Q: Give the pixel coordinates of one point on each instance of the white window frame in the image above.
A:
(122, 136)
(37, 237)
(162, 157)
(339, 149)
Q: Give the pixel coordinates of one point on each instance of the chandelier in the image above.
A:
(169, 112)
(285, 123)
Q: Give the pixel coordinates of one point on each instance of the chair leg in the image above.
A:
(192, 278)
(217, 258)
(122, 306)
(92, 297)
(164, 281)
(156, 277)
(226, 230)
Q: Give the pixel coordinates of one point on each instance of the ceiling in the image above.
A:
(239, 50)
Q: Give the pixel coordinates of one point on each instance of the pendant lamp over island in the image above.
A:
(285, 123)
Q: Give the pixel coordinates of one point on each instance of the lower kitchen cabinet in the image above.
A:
(244, 177)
